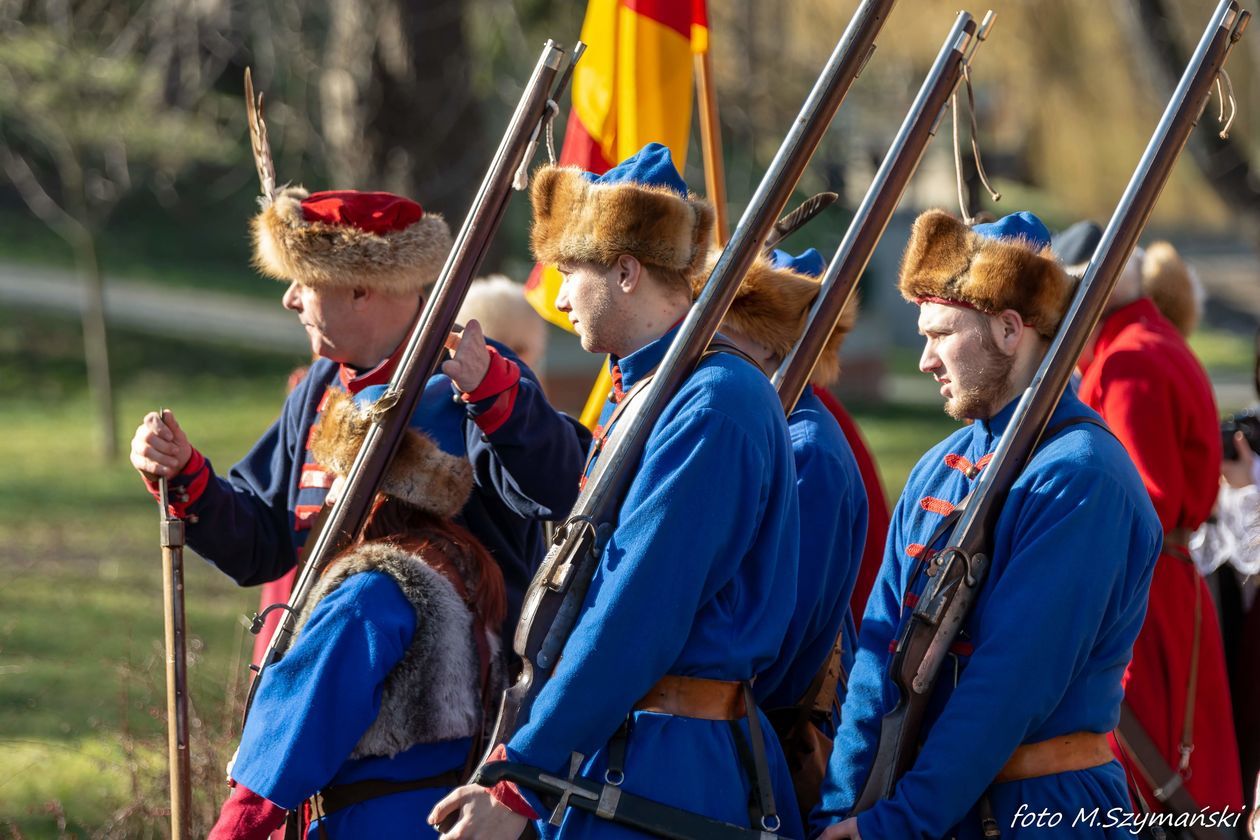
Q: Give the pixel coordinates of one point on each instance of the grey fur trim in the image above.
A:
(434, 693)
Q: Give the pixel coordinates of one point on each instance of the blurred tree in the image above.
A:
(83, 121)
(398, 110)
(1222, 160)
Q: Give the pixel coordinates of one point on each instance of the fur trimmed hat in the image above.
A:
(344, 238)
(641, 207)
(421, 474)
(773, 303)
(1172, 286)
(993, 267)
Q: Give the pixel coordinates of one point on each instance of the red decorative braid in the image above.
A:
(934, 505)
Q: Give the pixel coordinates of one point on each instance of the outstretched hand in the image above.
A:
(470, 358)
(160, 448)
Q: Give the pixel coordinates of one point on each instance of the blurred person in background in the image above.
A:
(1138, 372)
(1227, 548)
(498, 304)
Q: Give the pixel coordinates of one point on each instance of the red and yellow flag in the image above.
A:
(632, 87)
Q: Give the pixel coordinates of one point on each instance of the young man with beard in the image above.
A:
(695, 587)
(358, 266)
(1142, 377)
(1033, 684)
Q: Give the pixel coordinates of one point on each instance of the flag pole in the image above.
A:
(711, 144)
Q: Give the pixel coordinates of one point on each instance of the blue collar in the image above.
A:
(644, 360)
(1069, 406)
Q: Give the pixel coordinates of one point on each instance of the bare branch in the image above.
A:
(33, 193)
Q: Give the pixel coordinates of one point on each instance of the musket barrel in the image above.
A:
(871, 219)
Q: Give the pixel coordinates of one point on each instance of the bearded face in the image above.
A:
(962, 355)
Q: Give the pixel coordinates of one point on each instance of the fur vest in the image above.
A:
(434, 693)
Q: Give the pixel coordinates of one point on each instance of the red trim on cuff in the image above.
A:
(502, 374)
(508, 794)
(490, 420)
(188, 493)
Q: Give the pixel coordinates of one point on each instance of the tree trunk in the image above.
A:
(398, 109)
(96, 344)
(1223, 163)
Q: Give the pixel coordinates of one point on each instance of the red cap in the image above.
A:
(372, 212)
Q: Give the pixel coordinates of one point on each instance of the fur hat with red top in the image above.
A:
(993, 267)
(773, 303)
(341, 238)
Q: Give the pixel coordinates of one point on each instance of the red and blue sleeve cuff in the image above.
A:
(508, 794)
(186, 488)
(491, 402)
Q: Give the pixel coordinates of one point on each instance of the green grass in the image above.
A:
(1224, 354)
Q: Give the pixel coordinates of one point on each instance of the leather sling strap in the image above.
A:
(717, 345)
(1167, 784)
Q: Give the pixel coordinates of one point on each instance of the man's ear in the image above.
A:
(360, 296)
(629, 273)
(1008, 329)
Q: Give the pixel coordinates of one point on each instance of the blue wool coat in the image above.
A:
(314, 705)
(251, 524)
(698, 579)
(1041, 655)
(833, 535)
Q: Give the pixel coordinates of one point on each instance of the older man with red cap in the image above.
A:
(1016, 730)
(1142, 377)
(358, 265)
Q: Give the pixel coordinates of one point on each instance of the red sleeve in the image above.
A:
(491, 402)
(185, 488)
(247, 816)
(507, 793)
(1140, 408)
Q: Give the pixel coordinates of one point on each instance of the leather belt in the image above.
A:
(1176, 542)
(695, 697)
(1061, 754)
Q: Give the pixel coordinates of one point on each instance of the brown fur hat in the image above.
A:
(576, 220)
(421, 474)
(294, 242)
(1169, 283)
(947, 260)
(771, 308)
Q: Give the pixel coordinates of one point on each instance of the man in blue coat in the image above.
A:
(1017, 727)
(695, 588)
(358, 266)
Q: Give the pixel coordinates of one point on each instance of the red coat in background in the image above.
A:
(876, 505)
(1149, 387)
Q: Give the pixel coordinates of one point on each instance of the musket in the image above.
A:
(344, 520)
(871, 218)
(172, 540)
(958, 571)
(555, 595)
